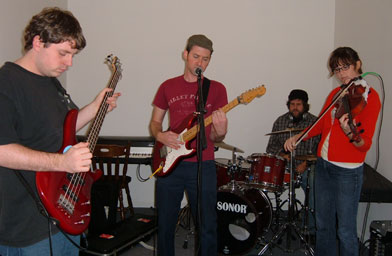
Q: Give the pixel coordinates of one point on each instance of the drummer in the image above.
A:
(296, 119)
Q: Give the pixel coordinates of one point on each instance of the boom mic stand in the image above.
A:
(290, 224)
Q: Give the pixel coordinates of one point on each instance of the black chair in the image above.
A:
(113, 161)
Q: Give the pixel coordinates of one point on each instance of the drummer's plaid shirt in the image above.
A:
(276, 142)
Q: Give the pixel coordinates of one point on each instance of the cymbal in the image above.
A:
(306, 157)
(285, 130)
(228, 147)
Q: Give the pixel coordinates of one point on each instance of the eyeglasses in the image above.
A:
(342, 68)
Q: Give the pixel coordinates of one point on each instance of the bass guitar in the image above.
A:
(66, 196)
(166, 158)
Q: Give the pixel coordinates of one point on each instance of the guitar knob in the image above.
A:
(86, 203)
(79, 222)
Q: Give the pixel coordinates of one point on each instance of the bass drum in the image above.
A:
(244, 214)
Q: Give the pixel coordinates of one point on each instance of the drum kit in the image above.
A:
(245, 212)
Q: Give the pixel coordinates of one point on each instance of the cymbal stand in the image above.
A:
(290, 224)
(278, 203)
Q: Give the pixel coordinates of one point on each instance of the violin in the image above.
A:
(352, 103)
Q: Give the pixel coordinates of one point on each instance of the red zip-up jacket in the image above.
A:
(340, 149)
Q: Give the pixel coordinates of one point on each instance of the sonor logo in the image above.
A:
(231, 207)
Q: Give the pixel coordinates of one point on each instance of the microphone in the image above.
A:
(199, 71)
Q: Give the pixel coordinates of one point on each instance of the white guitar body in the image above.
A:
(174, 155)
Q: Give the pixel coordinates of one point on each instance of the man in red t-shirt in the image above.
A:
(178, 96)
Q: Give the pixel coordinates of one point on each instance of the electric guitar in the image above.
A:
(66, 196)
(166, 158)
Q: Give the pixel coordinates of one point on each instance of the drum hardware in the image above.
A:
(228, 147)
(229, 170)
(290, 224)
(310, 158)
(277, 210)
(307, 209)
(185, 221)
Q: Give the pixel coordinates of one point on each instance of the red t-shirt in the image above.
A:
(179, 97)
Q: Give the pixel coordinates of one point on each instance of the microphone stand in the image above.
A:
(289, 226)
(201, 144)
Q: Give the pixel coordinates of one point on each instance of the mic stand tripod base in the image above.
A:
(288, 226)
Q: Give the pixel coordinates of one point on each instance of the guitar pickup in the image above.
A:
(70, 193)
(75, 179)
(66, 204)
(163, 152)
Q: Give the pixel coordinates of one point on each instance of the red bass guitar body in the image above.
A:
(66, 196)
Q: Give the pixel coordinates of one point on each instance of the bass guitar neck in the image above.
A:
(66, 196)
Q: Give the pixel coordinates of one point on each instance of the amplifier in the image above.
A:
(381, 238)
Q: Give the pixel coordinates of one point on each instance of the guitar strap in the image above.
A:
(42, 210)
(65, 98)
(206, 88)
(29, 189)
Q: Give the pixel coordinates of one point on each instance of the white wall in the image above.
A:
(365, 26)
(14, 16)
(282, 44)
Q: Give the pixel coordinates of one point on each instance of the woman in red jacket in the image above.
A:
(339, 168)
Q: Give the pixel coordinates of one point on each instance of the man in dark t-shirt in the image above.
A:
(33, 106)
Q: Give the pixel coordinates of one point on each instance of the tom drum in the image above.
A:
(267, 171)
(223, 173)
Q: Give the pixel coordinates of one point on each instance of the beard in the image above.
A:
(297, 118)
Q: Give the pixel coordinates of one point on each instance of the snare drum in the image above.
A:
(223, 175)
(267, 171)
(244, 214)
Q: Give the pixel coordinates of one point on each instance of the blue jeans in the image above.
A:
(169, 194)
(337, 196)
(60, 246)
